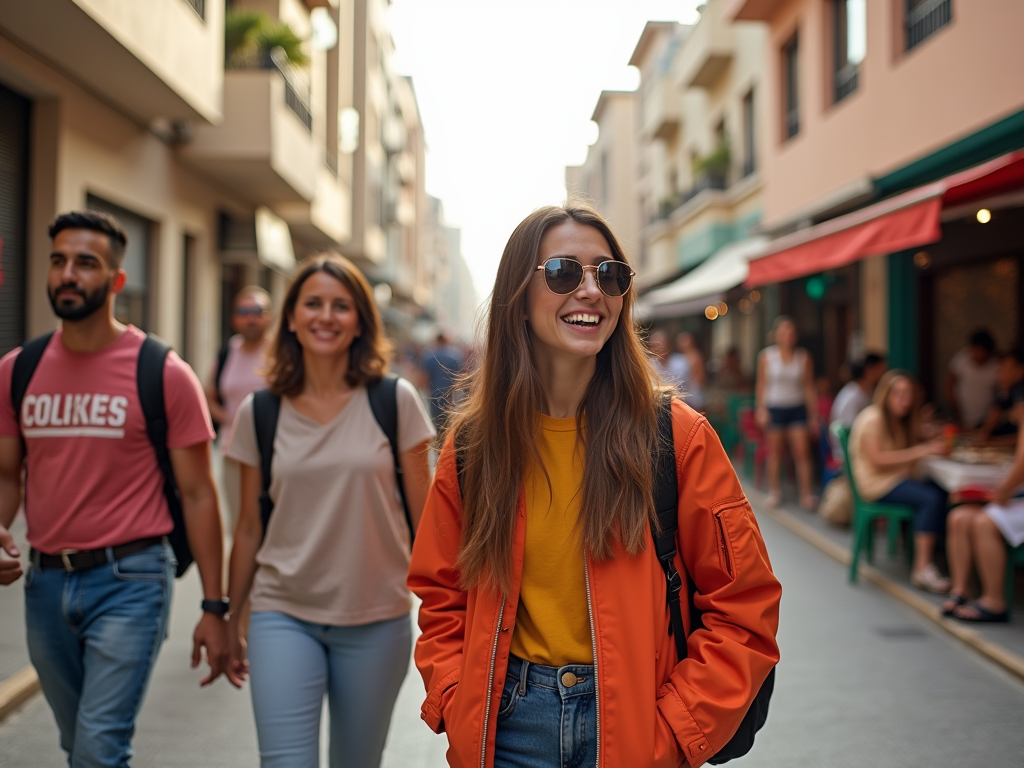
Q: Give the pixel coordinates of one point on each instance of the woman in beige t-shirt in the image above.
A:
(885, 446)
(330, 609)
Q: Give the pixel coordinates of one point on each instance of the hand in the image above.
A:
(10, 570)
(238, 665)
(211, 633)
(762, 418)
(935, 448)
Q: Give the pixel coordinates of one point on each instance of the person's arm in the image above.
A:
(992, 418)
(882, 458)
(242, 568)
(205, 537)
(761, 410)
(416, 478)
(811, 395)
(217, 412)
(10, 501)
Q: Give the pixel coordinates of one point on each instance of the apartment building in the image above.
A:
(894, 180)
(607, 178)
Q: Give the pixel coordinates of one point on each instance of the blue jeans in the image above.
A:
(929, 501)
(543, 722)
(292, 663)
(93, 637)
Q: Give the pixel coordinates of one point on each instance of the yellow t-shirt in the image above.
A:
(552, 621)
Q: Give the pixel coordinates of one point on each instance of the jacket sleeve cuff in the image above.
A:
(432, 711)
(691, 739)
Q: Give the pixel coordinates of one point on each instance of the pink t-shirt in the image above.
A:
(93, 480)
(241, 377)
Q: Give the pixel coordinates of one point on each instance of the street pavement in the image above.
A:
(863, 681)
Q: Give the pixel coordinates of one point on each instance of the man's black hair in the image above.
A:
(859, 367)
(96, 221)
(983, 339)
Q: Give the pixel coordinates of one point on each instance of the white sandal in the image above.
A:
(930, 580)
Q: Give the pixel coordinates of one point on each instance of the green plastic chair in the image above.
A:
(730, 432)
(866, 512)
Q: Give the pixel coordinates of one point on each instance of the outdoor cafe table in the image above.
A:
(953, 475)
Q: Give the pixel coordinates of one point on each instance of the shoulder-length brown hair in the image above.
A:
(495, 429)
(904, 432)
(369, 353)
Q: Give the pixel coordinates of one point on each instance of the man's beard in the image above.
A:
(91, 302)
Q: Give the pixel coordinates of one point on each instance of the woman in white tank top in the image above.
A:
(787, 407)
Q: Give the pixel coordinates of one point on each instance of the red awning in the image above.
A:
(906, 221)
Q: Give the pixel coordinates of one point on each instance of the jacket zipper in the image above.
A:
(721, 542)
(490, 684)
(597, 678)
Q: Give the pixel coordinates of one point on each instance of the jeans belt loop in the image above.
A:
(523, 670)
(110, 554)
(64, 556)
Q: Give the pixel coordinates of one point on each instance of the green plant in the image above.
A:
(250, 36)
(716, 162)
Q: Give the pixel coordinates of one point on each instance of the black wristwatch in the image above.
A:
(218, 607)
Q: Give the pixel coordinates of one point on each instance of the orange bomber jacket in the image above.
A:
(651, 709)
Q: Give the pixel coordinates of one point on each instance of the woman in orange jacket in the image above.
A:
(545, 632)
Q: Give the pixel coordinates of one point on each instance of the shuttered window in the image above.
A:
(15, 112)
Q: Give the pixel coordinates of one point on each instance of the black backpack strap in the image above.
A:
(25, 365)
(383, 395)
(266, 407)
(150, 383)
(222, 359)
(666, 504)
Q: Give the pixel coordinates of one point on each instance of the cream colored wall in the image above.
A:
(963, 78)
(186, 52)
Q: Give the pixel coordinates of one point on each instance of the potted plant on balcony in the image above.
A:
(251, 36)
(710, 170)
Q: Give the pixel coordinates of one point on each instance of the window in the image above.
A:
(924, 18)
(749, 142)
(849, 43)
(132, 303)
(790, 77)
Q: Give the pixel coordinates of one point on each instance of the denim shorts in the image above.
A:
(547, 717)
(788, 417)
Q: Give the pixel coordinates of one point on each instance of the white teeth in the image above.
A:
(582, 318)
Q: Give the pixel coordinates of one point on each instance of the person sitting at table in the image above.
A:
(856, 394)
(885, 446)
(971, 382)
(1000, 428)
(974, 539)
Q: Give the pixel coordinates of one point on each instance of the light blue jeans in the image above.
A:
(293, 663)
(547, 717)
(93, 637)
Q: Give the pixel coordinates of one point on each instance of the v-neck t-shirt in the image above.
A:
(336, 550)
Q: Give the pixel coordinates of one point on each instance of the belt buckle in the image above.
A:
(67, 560)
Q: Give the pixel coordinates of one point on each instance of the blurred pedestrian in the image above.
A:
(100, 575)
(1000, 426)
(442, 365)
(971, 381)
(330, 608)
(728, 375)
(856, 394)
(886, 443)
(545, 635)
(238, 371)
(657, 342)
(686, 365)
(787, 408)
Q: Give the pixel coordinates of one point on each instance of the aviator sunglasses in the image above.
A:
(564, 275)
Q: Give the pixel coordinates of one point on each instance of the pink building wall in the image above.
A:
(966, 76)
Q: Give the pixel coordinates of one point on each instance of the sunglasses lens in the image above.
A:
(614, 277)
(563, 276)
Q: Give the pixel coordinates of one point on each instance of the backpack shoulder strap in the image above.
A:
(383, 396)
(266, 408)
(222, 358)
(666, 504)
(25, 365)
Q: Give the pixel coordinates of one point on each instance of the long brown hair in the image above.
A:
(369, 353)
(495, 428)
(904, 432)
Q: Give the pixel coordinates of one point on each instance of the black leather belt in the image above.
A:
(79, 560)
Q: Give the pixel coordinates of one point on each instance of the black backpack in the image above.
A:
(666, 501)
(222, 359)
(150, 382)
(266, 407)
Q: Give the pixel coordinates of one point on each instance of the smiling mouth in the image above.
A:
(582, 319)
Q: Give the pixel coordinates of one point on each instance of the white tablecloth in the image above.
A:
(954, 475)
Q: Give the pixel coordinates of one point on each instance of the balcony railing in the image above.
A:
(703, 182)
(792, 123)
(331, 163)
(925, 19)
(199, 6)
(845, 81)
(296, 81)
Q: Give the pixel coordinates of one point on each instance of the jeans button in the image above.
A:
(568, 679)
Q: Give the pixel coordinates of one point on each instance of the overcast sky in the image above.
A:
(506, 89)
